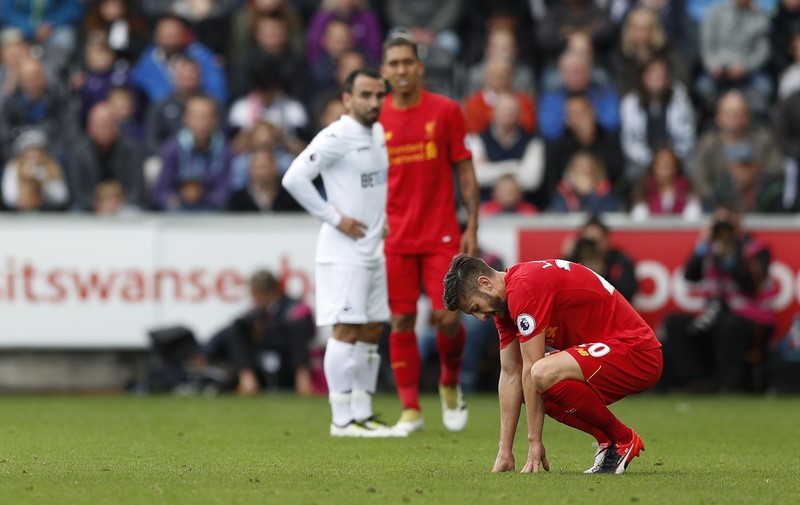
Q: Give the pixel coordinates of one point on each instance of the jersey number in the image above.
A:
(597, 350)
(564, 265)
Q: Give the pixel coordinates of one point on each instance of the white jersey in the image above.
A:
(354, 165)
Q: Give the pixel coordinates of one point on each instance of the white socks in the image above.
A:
(367, 363)
(339, 369)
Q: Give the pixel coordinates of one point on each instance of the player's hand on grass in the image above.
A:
(536, 459)
(353, 228)
(504, 463)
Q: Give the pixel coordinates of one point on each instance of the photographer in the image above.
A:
(268, 346)
(723, 348)
(592, 249)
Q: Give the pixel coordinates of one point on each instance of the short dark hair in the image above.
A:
(461, 280)
(351, 78)
(595, 220)
(401, 40)
(263, 281)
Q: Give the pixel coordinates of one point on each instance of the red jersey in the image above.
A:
(424, 141)
(571, 304)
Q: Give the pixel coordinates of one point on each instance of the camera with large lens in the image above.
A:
(708, 318)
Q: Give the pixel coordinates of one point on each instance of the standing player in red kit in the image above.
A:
(425, 136)
(607, 352)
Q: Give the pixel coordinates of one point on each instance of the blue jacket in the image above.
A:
(605, 102)
(27, 15)
(151, 73)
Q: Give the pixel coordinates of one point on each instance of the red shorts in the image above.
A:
(407, 273)
(615, 370)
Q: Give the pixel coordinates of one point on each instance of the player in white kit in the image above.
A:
(351, 291)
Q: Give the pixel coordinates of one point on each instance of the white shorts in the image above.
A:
(351, 294)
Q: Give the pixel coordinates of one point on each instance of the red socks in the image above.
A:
(563, 416)
(577, 400)
(405, 360)
(451, 355)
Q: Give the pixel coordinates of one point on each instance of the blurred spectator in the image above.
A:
(105, 155)
(432, 25)
(33, 162)
(100, 73)
(165, 118)
(267, 347)
(582, 132)
(502, 44)
(109, 200)
(269, 102)
(209, 20)
(580, 44)
(13, 51)
(657, 113)
(787, 125)
(196, 163)
(665, 190)
(482, 19)
(497, 79)
(785, 36)
(790, 76)
(592, 248)
(51, 24)
(154, 71)
(122, 24)
(576, 73)
(745, 185)
(122, 101)
(584, 187)
(331, 111)
(680, 29)
(36, 103)
(244, 20)
(263, 192)
(337, 40)
(564, 19)
(642, 40)
(30, 197)
(735, 47)
(270, 46)
(734, 126)
(507, 198)
(723, 348)
(364, 27)
(505, 148)
(348, 62)
(262, 136)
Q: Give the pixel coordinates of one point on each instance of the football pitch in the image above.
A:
(275, 449)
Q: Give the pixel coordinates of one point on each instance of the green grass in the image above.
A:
(275, 449)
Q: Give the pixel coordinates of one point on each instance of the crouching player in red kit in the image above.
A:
(607, 352)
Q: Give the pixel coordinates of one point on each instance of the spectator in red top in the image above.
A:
(498, 75)
(507, 199)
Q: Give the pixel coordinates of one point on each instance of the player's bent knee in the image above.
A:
(544, 375)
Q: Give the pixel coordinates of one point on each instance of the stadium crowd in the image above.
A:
(649, 107)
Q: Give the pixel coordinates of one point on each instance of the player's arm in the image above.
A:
(468, 186)
(509, 390)
(532, 351)
(298, 181)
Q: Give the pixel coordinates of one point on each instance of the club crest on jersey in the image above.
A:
(525, 324)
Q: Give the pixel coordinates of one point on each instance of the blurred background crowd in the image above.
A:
(648, 107)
